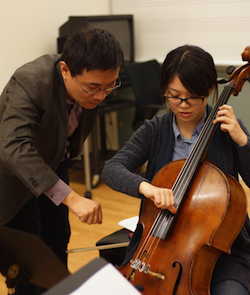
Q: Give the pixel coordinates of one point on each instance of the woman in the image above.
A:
(188, 77)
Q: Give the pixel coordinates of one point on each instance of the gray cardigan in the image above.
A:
(154, 142)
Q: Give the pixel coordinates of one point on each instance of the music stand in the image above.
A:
(26, 258)
(73, 281)
(97, 277)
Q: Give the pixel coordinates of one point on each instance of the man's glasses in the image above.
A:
(107, 91)
(192, 101)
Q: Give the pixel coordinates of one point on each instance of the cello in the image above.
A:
(177, 253)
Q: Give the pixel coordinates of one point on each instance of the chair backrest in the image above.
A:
(145, 82)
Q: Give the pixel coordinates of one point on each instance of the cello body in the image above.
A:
(207, 223)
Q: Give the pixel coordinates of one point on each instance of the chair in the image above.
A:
(144, 78)
(116, 255)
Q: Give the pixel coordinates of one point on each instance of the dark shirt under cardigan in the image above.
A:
(154, 142)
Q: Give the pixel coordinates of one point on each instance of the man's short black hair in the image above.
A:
(92, 49)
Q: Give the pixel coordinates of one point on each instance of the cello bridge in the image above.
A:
(135, 264)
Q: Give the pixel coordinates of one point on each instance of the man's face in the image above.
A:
(77, 87)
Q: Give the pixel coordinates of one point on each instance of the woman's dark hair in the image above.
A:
(194, 67)
(92, 49)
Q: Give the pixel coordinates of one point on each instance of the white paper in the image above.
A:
(107, 281)
(129, 223)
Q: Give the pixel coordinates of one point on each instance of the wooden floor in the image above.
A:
(115, 206)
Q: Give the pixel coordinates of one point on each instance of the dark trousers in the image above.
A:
(229, 287)
(41, 217)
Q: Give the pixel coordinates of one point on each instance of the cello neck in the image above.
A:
(182, 182)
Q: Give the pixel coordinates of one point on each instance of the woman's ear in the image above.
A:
(210, 91)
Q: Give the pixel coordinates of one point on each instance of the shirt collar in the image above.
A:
(69, 101)
(197, 129)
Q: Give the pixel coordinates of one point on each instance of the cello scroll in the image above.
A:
(241, 74)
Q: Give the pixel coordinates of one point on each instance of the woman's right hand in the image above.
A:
(163, 198)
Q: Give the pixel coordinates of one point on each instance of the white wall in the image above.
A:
(29, 28)
(222, 27)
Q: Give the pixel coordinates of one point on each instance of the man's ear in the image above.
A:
(64, 70)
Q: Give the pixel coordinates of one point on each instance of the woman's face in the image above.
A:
(185, 114)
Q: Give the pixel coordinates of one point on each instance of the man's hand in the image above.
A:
(87, 210)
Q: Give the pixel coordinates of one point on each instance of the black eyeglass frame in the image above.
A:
(183, 99)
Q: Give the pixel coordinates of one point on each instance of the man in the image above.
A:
(47, 110)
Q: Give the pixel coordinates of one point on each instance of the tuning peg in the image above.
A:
(230, 69)
(248, 79)
(221, 80)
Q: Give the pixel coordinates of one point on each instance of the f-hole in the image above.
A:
(178, 278)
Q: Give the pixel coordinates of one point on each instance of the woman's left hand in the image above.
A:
(229, 123)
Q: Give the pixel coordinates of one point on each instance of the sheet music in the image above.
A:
(107, 281)
(129, 223)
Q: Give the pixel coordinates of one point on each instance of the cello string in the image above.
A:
(147, 238)
(187, 172)
(150, 238)
(197, 152)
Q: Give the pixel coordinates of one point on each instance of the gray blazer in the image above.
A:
(33, 133)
